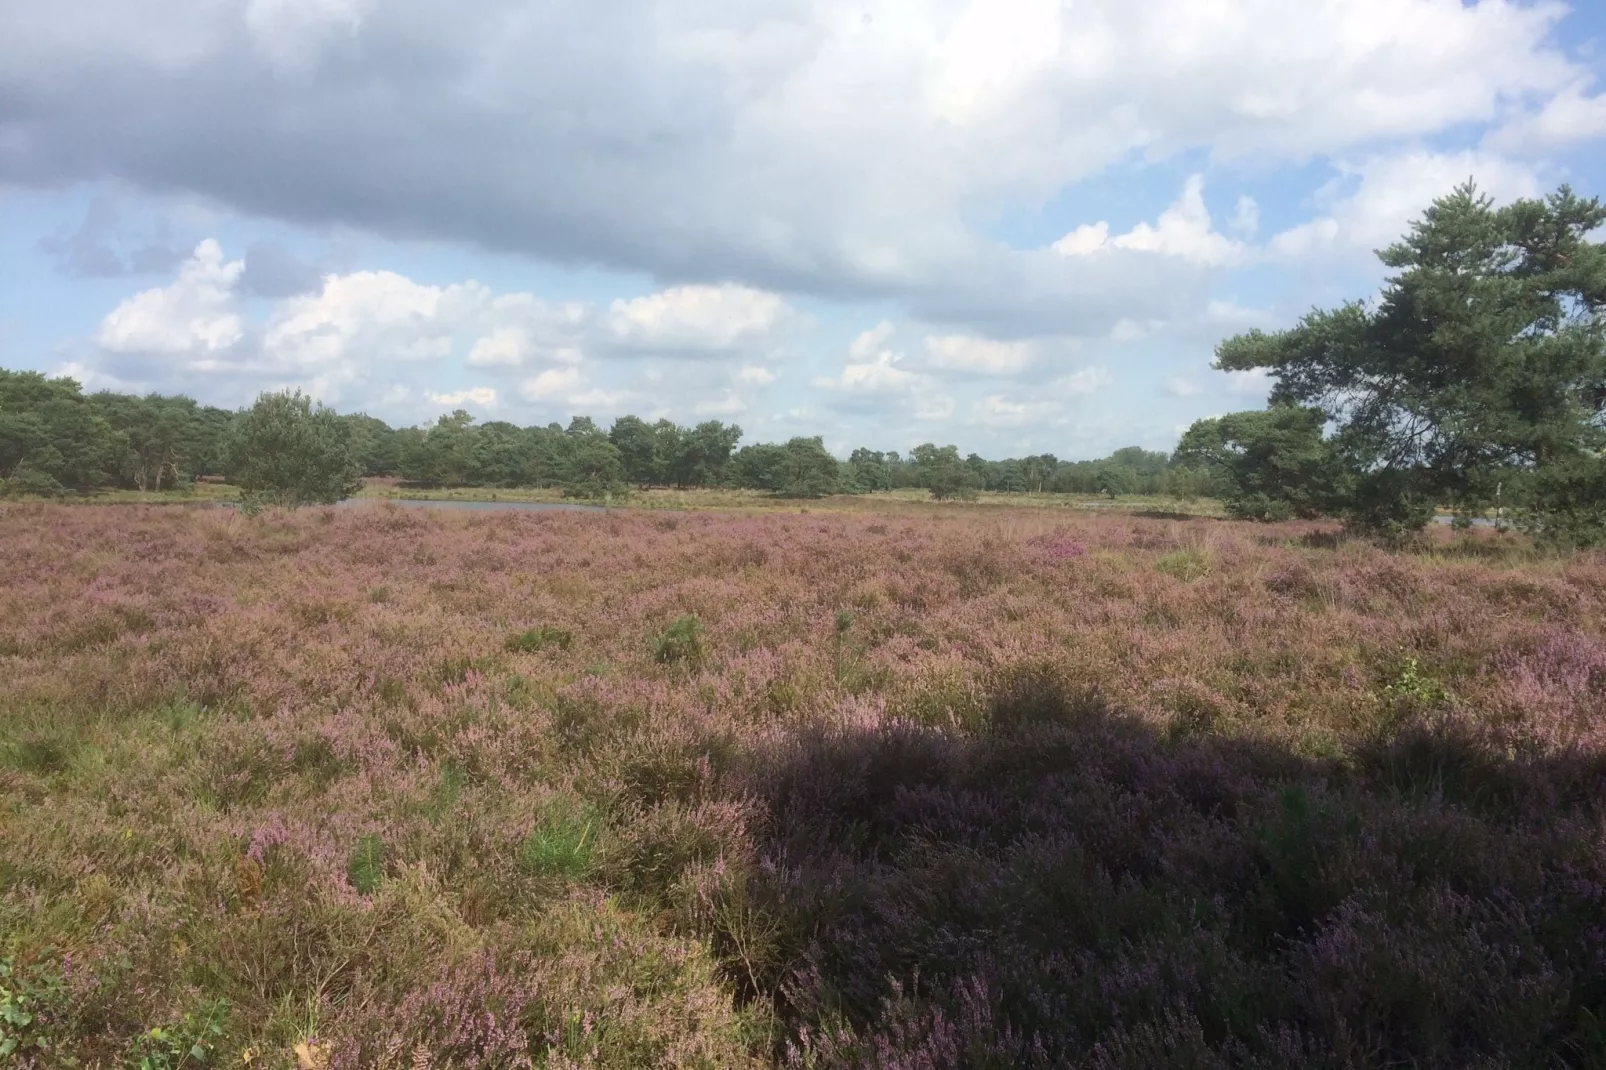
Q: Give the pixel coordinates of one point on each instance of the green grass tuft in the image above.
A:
(563, 845)
(365, 868)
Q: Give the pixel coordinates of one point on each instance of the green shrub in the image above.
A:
(40, 753)
(1414, 687)
(681, 643)
(31, 483)
(533, 640)
(1411, 694)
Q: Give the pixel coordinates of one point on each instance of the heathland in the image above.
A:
(944, 786)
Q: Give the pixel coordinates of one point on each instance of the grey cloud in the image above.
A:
(101, 247)
(271, 271)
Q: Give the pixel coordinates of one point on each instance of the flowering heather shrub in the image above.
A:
(1058, 546)
(1036, 802)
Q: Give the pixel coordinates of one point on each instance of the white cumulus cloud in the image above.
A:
(1379, 197)
(368, 314)
(475, 395)
(964, 353)
(713, 317)
(551, 383)
(1183, 230)
(197, 313)
(1570, 117)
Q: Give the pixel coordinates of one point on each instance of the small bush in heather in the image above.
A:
(682, 643)
(563, 845)
(533, 640)
(365, 867)
(1185, 565)
(1413, 688)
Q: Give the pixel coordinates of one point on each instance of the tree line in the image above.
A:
(285, 449)
(1475, 383)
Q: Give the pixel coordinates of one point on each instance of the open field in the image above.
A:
(203, 491)
(972, 786)
(696, 499)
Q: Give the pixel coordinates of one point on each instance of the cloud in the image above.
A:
(1374, 201)
(1180, 387)
(726, 403)
(934, 408)
(598, 398)
(101, 246)
(982, 356)
(197, 313)
(1566, 119)
(1085, 240)
(508, 346)
(552, 383)
(1084, 382)
(1126, 330)
(367, 315)
(877, 375)
(872, 367)
(792, 147)
(478, 395)
(360, 334)
(695, 317)
(1256, 383)
(1183, 230)
(871, 342)
(290, 34)
(752, 373)
(273, 271)
(1246, 217)
(999, 411)
(1232, 314)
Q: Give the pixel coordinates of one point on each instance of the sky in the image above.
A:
(1014, 225)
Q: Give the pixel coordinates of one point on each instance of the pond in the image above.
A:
(473, 506)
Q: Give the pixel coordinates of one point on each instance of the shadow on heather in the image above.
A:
(1072, 887)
